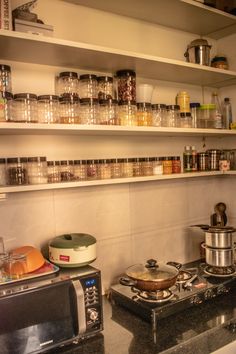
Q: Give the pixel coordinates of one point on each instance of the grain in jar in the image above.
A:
(48, 109)
(126, 85)
(144, 114)
(105, 87)
(24, 108)
(157, 166)
(5, 78)
(104, 169)
(176, 164)
(67, 170)
(147, 167)
(127, 167)
(17, 173)
(137, 167)
(6, 99)
(37, 170)
(116, 168)
(108, 112)
(68, 83)
(3, 180)
(88, 86)
(89, 111)
(158, 114)
(80, 170)
(53, 171)
(127, 113)
(69, 109)
(167, 165)
(92, 169)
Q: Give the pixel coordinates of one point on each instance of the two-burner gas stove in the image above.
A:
(153, 307)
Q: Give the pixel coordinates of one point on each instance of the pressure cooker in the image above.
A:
(198, 52)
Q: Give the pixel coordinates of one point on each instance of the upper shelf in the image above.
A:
(186, 15)
(31, 48)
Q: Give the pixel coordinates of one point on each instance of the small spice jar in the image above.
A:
(17, 173)
(37, 170)
(176, 164)
(144, 114)
(147, 167)
(6, 99)
(66, 170)
(25, 108)
(105, 87)
(3, 180)
(80, 170)
(92, 169)
(88, 86)
(68, 83)
(108, 112)
(137, 167)
(48, 109)
(126, 85)
(167, 165)
(5, 78)
(53, 170)
(158, 114)
(69, 109)
(127, 167)
(157, 166)
(89, 111)
(127, 113)
(104, 169)
(116, 168)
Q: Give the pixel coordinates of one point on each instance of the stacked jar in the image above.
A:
(185, 118)
(5, 93)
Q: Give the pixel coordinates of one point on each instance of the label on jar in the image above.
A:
(224, 165)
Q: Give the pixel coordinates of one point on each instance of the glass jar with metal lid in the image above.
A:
(37, 170)
(167, 165)
(126, 85)
(5, 78)
(105, 87)
(3, 179)
(25, 108)
(6, 99)
(185, 120)
(137, 167)
(116, 168)
(69, 109)
(67, 170)
(108, 111)
(144, 114)
(17, 173)
(147, 166)
(157, 165)
(89, 111)
(104, 169)
(127, 167)
(202, 161)
(68, 83)
(80, 170)
(53, 170)
(213, 159)
(158, 114)
(48, 109)
(88, 86)
(127, 113)
(172, 116)
(92, 169)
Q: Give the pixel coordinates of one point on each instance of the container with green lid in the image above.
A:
(207, 115)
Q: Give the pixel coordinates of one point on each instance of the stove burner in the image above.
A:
(183, 276)
(220, 271)
(158, 296)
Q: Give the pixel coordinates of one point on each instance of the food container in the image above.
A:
(219, 237)
(198, 52)
(72, 250)
(68, 83)
(219, 257)
(126, 82)
(25, 108)
(220, 63)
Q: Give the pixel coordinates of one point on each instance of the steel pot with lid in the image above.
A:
(152, 276)
(219, 237)
(198, 52)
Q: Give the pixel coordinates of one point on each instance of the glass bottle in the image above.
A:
(218, 119)
(194, 107)
(193, 159)
(227, 113)
(187, 159)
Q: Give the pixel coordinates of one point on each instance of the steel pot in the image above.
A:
(151, 277)
(219, 237)
(219, 257)
(198, 52)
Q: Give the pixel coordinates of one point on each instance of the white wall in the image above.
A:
(132, 222)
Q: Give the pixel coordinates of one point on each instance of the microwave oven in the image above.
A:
(36, 317)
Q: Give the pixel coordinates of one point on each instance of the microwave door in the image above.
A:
(80, 304)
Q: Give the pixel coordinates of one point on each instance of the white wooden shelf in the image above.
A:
(29, 48)
(53, 186)
(186, 15)
(109, 130)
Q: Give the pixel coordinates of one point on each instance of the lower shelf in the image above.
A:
(100, 182)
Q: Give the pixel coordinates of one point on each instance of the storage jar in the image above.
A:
(69, 109)
(105, 87)
(116, 168)
(37, 170)
(167, 165)
(127, 113)
(157, 166)
(194, 108)
(127, 167)
(207, 116)
(17, 173)
(3, 180)
(213, 159)
(172, 116)
(185, 120)
(126, 85)
(89, 111)
(92, 169)
(68, 83)
(6, 99)
(53, 170)
(66, 170)
(108, 112)
(202, 161)
(80, 170)
(137, 167)
(144, 114)
(183, 100)
(158, 114)
(104, 169)
(147, 168)
(25, 108)
(88, 86)
(176, 164)
(5, 78)
(48, 109)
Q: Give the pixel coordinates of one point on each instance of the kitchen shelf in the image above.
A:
(186, 15)
(109, 130)
(29, 48)
(52, 186)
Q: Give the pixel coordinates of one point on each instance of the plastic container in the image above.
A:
(144, 114)
(127, 113)
(105, 87)
(126, 85)
(37, 170)
(68, 83)
(206, 117)
(5, 78)
(48, 109)
(89, 111)
(158, 114)
(88, 86)
(25, 108)
(69, 109)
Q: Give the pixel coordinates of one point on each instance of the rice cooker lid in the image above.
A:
(73, 240)
(199, 42)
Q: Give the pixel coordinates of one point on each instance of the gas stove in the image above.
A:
(154, 306)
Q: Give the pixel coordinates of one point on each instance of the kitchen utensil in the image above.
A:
(198, 52)
(72, 250)
(219, 237)
(219, 218)
(34, 258)
(219, 257)
(151, 277)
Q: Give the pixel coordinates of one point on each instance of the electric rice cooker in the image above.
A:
(72, 250)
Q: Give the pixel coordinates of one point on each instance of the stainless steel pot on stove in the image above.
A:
(198, 52)
(219, 257)
(218, 236)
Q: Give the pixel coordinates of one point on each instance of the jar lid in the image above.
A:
(108, 101)
(92, 162)
(194, 105)
(74, 240)
(127, 102)
(80, 162)
(126, 72)
(105, 161)
(88, 100)
(4, 67)
(158, 105)
(144, 105)
(69, 98)
(105, 78)
(23, 159)
(208, 106)
(175, 158)
(28, 96)
(12, 159)
(68, 74)
(88, 77)
(185, 114)
(215, 59)
(37, 159)
(65, 162)
(48, 97)
(174, 107)
(2, 160)
(7, 95)
(198, 42)
(53, 163)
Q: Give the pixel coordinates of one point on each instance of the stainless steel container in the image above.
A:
(219, 257)
(198, 52)
(213, 159)
(219, 237)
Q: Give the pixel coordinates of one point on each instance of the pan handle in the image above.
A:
(175, 264)
(127, 281)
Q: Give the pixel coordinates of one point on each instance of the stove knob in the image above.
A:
(222, 290)
(195, 300)
(93, 314)
(209, 294)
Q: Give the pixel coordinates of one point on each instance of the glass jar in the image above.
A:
(89, 111)
(53, 170)
(176, 164)
(172, 116)
(5, 78)
(116, 168)
(3, 180)
(37, 170)
(213, 159)
(185, 120)
(158, 114)
(206, 117)
(157, 166)
(108, 111)
(126, 85)
(48, 109)
(92, 169)
(67, 170)
(88, 86)
(104, 169)
(6, 99)
(68, 83)
(17, 173)
(194, 107)
(202, 161)
(25, 108)
(127, 167)
(105, 87)
(167, 165)
(127, 113)
(147, 168)
(137, 167)
(80, 170)
(144, 114)
(69, 109)
(220, 63)
(183, 101)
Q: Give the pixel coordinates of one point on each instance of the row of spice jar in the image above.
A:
(37, 170)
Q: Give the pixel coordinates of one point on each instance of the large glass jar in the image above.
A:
(158, 114)
(126, 85)
(206, 118)
(17, 173)
(127, 167)
(137, 167)
(105, 87)
(37, 170)
(104, 169)
(69, 109)
(89, 111)
(172, 116)
(108, 111)
(185, 120)
(92, 169)
(88, 86)
(54, 173)
(147, 166)
(48, 109)
(68, 83)
(3, 180)
(5, 78)
(127, 113)
(6, 99)
(67, 170)
(116, 168)
(25, 108)
(144, 114)
(80, 170)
